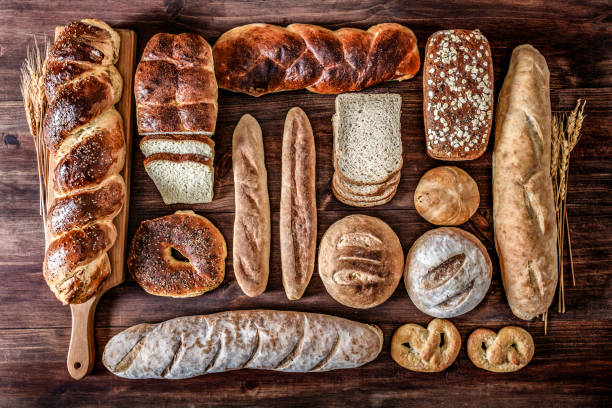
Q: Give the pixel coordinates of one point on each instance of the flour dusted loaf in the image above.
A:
(84, 135)
(252, 221)
(261, 58)
(259, 339)
(448, 272)
(360, 261)
(524, 217)
(179, 255)
(457, 94)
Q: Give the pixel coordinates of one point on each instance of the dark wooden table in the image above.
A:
(572, 363)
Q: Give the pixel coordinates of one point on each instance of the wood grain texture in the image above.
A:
(572, 364)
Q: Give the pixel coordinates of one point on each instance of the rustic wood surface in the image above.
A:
(572, 363)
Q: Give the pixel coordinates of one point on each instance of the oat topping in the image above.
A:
(459, 93)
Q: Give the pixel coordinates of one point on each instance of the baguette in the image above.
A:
(186, 347)
(298, 205)
(252, 222)
(523, 208)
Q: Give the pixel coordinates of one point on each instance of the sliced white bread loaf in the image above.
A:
(181, 178)
(367, 137)
(178, 144)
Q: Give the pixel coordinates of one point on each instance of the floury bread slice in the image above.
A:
(181, 178)
(367, 137)
(178, 144)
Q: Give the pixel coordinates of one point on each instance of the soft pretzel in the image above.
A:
(84, 134)
(426, 350)
(261, 58)
(508, 350)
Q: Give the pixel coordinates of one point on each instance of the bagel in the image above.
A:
(179, 255)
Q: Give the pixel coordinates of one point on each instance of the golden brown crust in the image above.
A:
(523, 206)
(263, 58)
(175, 85)
(252, 222)
(446, 195)
(92, 159)
(457, 94)
(360, 261)
(179, 137)
(154, 267)
(77, 210)
(298, 205)
(84, 134)
(428, 350)
(508, 350)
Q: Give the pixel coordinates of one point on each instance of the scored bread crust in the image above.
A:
(448, 272)
(158, 272)
(298, 204)
(457, 94)
(189, 346)
(175, 86)
(523, 204)
(360, 261)
(251, 244)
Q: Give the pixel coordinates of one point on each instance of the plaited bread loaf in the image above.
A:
(84, 135)
(261, 58)
(175, 86)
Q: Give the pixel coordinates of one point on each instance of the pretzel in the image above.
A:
(508, 350)
(426, 350)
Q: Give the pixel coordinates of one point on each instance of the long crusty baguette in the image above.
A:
(523, 208)
(298, 205)
(264, 339)
(252, 221)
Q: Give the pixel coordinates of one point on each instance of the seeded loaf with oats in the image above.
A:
(189, 346)
(458, 94)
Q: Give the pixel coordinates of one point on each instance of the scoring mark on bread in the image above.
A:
(332, 351)
(442, 273)
(359, 239)
(175, 358)
(128, 359)
(535, 280)
(255, 349)
(352, 276)
(457, 298)
(288, 359)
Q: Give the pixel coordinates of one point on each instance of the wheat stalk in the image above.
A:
(35, 104)
(565, 137)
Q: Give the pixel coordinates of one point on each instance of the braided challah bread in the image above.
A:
(261, 58)
(84, 135)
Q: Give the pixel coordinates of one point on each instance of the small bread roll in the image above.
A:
(448, 272)
(446, 195)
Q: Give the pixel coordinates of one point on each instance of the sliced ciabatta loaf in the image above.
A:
(181, 178)
(178, 144)
(367, 137)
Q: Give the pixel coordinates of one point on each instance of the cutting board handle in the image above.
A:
(81, 354)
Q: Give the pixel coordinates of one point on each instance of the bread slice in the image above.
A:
(343, 194)
(366, 190)
(367, 137)
(178, 144)
(181, 178)
(352, 203)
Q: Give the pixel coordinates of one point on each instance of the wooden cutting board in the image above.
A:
(81, 354)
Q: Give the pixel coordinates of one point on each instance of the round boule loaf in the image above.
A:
(360, 261)
(448, 272)
(446, 195)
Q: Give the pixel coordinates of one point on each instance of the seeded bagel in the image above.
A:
(179, 255)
